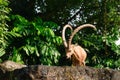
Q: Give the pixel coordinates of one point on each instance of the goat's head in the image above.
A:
(69, 52)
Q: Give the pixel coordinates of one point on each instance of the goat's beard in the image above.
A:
(68, 55)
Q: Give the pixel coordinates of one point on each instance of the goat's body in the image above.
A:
(78, 56)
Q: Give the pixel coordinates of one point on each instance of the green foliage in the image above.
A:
(100, 46)
(4, 10)
(34, 43)
(16, 56)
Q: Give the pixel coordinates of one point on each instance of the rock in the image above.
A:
(42, 72)
(10, 65)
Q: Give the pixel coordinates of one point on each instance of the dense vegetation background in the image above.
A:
(30, 31)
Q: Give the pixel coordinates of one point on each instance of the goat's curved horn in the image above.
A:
(77, 29)
(63, 34)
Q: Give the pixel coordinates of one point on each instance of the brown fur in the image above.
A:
(78, 55)
(75, 52)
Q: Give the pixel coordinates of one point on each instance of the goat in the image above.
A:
(75, 52)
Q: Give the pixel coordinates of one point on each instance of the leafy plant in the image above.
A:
(35, 42)
(101, 47)
(4, 11)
